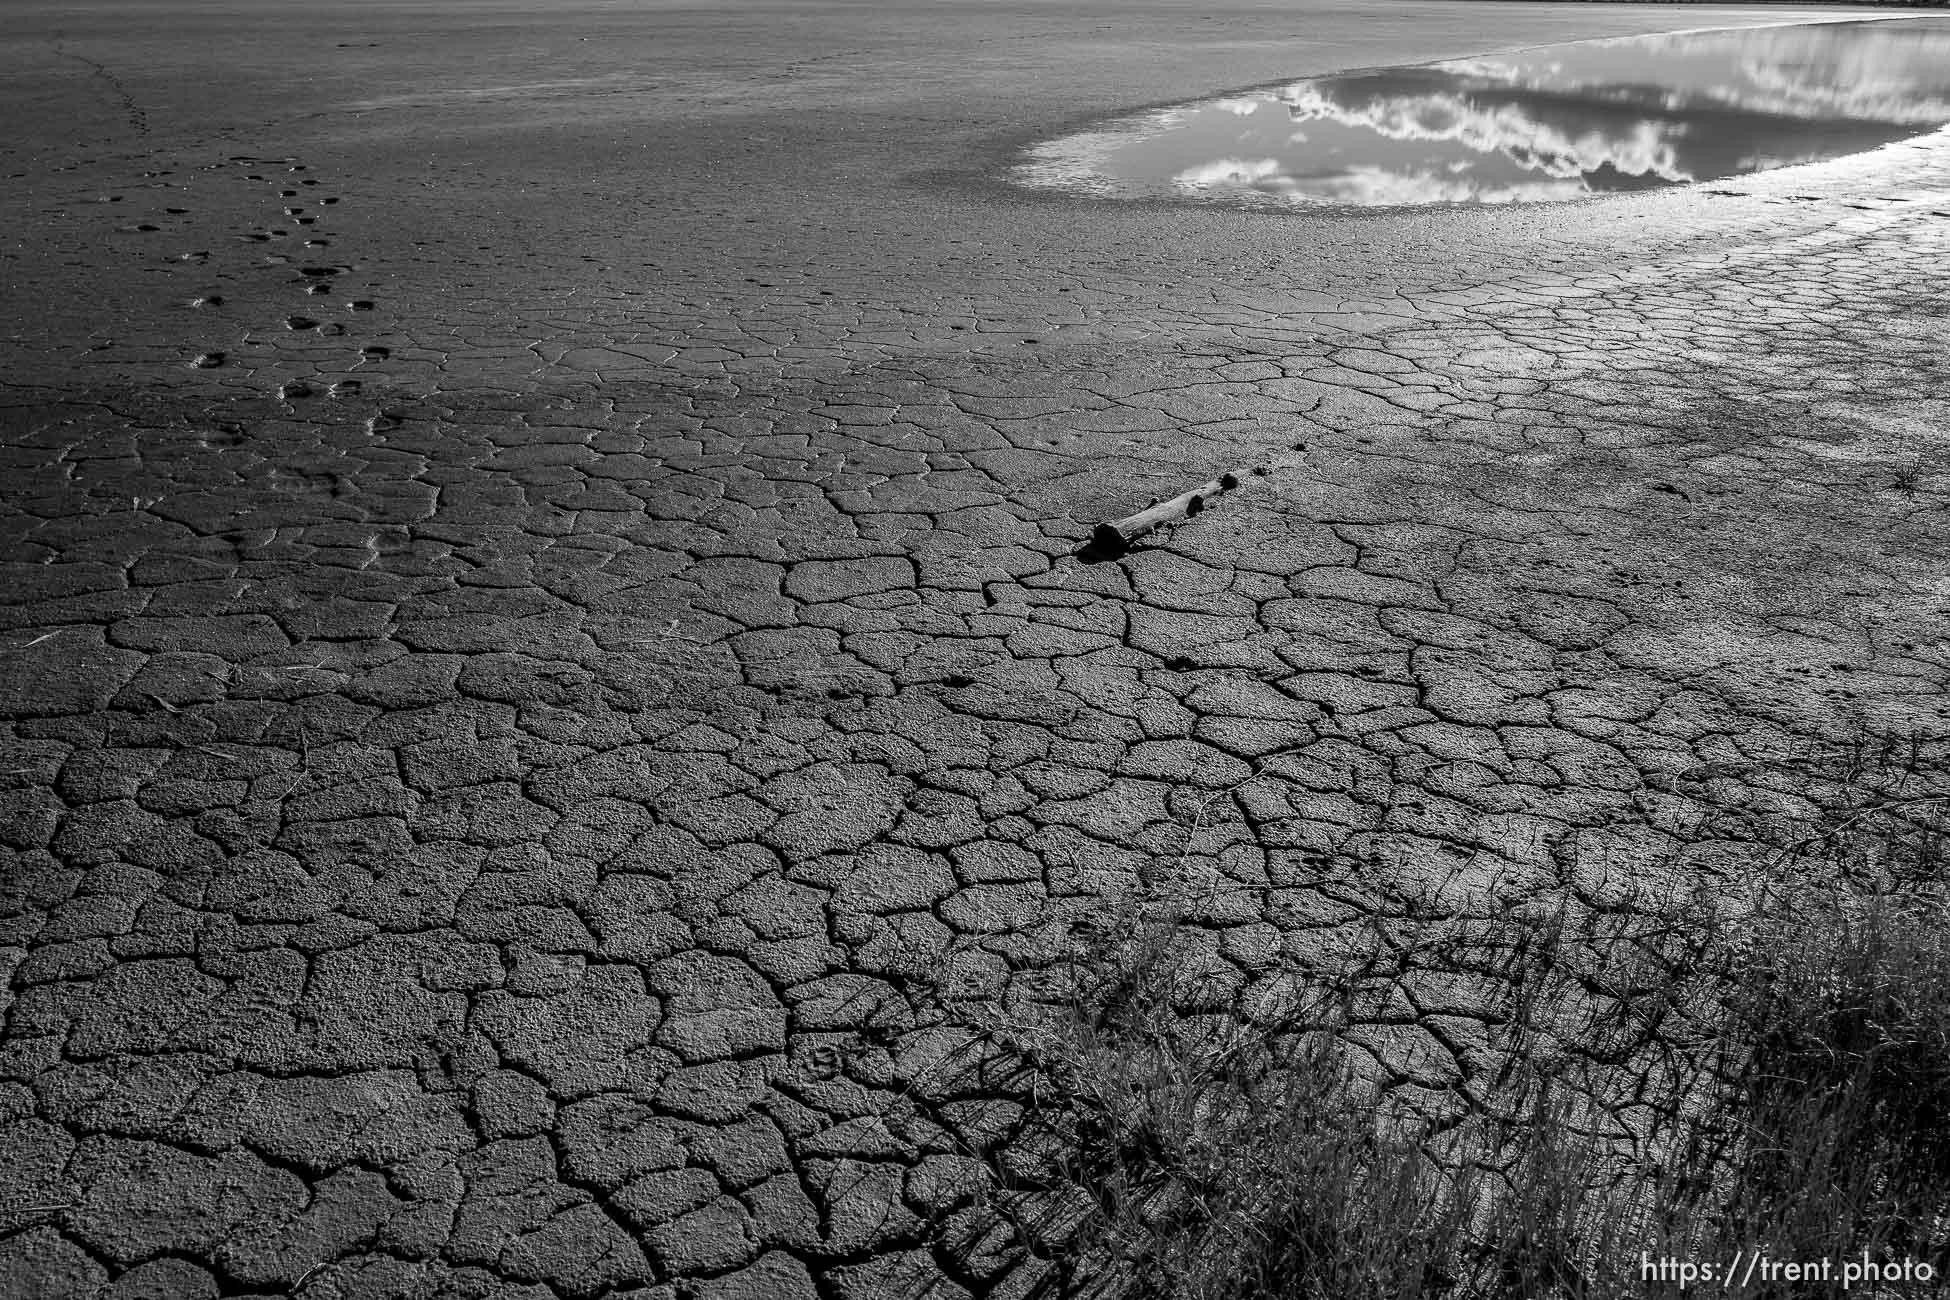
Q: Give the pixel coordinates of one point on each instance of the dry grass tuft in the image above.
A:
(1693, 1083)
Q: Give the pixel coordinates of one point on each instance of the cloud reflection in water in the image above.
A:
(1536, 125)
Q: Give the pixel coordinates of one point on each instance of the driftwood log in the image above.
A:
(1113, 537)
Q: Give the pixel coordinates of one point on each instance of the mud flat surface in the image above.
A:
(541, 615)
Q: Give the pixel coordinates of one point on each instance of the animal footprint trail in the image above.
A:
(298, 203)
(137, 119)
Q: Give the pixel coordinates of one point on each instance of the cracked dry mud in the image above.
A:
(541, 604)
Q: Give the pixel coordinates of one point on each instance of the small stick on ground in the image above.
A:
(1113, 537)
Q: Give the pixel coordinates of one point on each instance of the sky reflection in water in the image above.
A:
(1556, 122)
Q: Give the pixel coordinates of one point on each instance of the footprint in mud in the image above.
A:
(300, 323)
(207, 361)
(318, 288)
(293, 481)
(307, 221)
(292, 212)
(373, 352)
(287, 194)
(359, 304)
(327, 202)
(208, 300)
(176, 212)
(392, 541)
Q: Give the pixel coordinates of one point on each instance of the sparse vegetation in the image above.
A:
(1764, 1074)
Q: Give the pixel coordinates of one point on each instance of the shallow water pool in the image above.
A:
(1550, 123)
